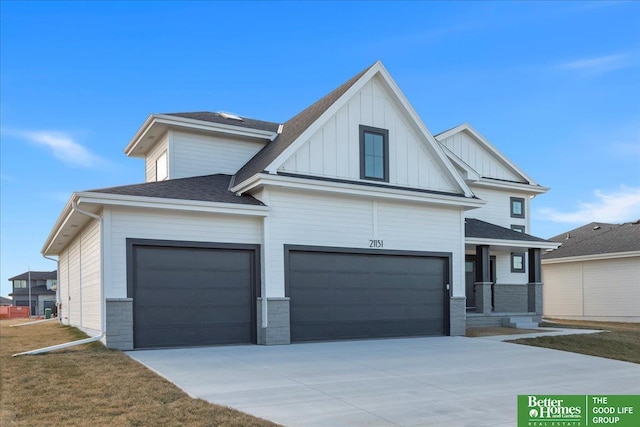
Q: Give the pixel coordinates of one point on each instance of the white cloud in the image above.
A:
(615, 207)
(599, 64)
(62, 146)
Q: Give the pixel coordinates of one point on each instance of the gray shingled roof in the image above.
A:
(209, 188)
(597, 238)
(292, 129)
(484, 230)
(36, 275)
(217, 118)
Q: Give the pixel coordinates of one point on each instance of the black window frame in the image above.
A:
(385, 161)
(511, 202)
(515, 255)
(518, 228)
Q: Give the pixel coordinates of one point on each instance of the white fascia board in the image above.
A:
(506, 185)
(171, 204)
(395, 89)
(59, 224)
(489, 146)
(472, 175)
(199, 125)
(511, 243)
(594, 257)
(376, 192)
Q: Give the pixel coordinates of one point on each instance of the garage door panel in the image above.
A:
(345, 296)
(192, 296)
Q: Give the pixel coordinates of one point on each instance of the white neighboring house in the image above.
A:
(594, 274)
(349, 220)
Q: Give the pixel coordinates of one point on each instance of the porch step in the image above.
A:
(520, 322)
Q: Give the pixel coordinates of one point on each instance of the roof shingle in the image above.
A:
(246, 122)
(208, 188)
(597, 238)
(291, 130)
(485, 230)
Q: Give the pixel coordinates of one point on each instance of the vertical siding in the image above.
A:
(479, 158)
(196, 155)
(152, 156)
(184, 226)
(334, 150)
(336, 221)
(612, 287)
(80, 279)
(596, 290)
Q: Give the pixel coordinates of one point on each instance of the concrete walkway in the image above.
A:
(440, 381)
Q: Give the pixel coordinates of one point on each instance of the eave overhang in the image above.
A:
(509, 185)
(593, 257)
(355, 189)
(70, 222)
(157, 124)
(516, 244)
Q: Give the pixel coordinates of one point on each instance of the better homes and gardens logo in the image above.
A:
(578, 410)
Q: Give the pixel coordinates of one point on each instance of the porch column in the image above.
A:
(483, 280)
(535, 282)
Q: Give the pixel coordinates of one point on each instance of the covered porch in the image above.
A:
(503, 276)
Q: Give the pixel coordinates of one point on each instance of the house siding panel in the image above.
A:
(497, 209)
(612, 288)
(298, 218)
(563, 291)
(411, 163)
(196, 155)
(471, 152)
(181, 226)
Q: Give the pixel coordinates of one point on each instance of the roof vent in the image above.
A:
(230, 116)
(568, 235)
(597, 227)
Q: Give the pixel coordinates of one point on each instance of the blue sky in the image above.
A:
(554, 85)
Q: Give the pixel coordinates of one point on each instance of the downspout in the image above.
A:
(103, 317)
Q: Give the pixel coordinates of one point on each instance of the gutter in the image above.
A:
(103, 316)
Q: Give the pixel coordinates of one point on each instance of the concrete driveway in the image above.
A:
(441, 381)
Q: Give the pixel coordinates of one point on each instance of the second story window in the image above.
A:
(374, 153)
(518, 228)
(517, 207)
(161, 167)
(19, 284)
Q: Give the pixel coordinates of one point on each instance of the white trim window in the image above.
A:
(162, 167)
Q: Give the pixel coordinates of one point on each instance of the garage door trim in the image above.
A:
(132, 243)
(364, 251)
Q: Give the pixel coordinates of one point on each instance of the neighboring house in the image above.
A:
(5, 301)
(594, 274)
(43, 291)
(349, 220)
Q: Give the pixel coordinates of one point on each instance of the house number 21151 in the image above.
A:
(376, 243)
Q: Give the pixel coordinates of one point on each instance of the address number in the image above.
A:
(376, 243)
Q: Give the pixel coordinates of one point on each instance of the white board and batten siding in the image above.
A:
(80, 280)
(607, 289)
(316, 219)
(334, 150)
(465, 146)
(197, 155)
(497, 210)
(166, 225)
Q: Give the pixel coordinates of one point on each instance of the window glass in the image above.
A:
(373, 155)
(517, 207)
(19, 284)
(517, 263)
(161, 167)
(518, 228)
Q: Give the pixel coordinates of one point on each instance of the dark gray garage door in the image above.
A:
(366, 295)
(192, 296)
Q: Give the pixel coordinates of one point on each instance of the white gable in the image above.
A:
(463, 143)
(333, 150)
